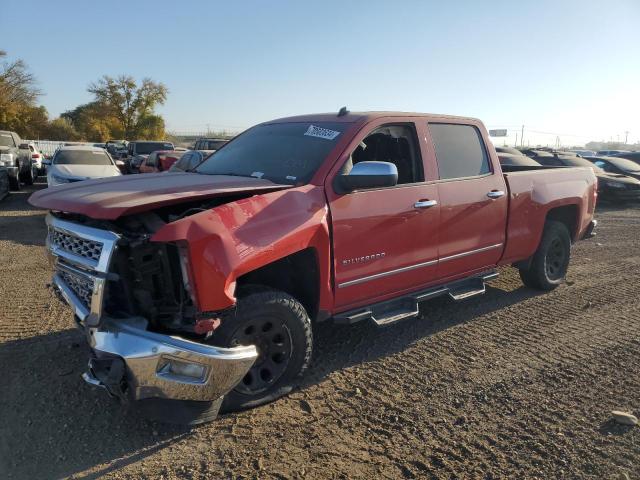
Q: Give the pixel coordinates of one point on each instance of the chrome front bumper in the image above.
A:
(163, 366)
(154, 365)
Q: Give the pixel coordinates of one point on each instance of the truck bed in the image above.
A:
(533, 192)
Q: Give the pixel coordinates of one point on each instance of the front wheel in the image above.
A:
(280, 328)
(549, 264)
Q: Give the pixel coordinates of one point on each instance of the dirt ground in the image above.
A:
(513, 384)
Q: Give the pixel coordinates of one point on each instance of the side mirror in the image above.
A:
(369, 175)
(23, 146)
(119, 163)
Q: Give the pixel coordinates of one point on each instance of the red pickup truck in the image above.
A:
(199, 290)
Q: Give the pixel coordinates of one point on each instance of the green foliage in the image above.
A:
(121, 108)
(63, 129)
(132, 105)
(18, 95)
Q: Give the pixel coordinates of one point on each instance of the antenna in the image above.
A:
(343, 111)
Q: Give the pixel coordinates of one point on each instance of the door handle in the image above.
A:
(495, 194)
(425, 204)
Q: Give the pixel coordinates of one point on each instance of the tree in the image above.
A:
(132, 105)
(94, 122)
(62, 129)
(18, 95)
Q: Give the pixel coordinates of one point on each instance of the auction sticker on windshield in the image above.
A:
(319, 132)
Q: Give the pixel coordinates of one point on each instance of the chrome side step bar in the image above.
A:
(392, 311)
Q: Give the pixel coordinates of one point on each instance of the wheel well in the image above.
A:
(296, 274)
(568, 215)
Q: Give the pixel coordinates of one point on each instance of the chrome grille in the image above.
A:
(80, 285)
(81, 247)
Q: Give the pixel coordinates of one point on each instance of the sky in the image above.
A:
(564, 68)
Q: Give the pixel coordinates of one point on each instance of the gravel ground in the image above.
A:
(513, 384)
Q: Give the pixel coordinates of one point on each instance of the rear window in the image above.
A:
(81, 157)
(6, 140)
(459, 150)
(144, 148)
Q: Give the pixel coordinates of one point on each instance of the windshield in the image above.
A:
(146, 148)
(6, 140)
(288, 153)
(81, 157)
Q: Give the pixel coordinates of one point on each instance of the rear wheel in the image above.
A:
(29, 177)
(14, 183)
(549, 264)
(280, 328)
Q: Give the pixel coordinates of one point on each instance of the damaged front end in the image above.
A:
(133, 301)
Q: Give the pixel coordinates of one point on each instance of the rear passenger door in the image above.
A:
(473, 199)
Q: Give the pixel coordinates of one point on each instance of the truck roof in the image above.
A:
(353, 117)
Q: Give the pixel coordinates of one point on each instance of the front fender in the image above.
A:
(232, 239)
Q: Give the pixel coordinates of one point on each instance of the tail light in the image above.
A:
(35, 156)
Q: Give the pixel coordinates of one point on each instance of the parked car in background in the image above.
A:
(633, 156)
(117, 148)
(617, 165)
(518, 160)
(583, 153)
(509, 150)
(534, 153)
(80, 162)
(208, 283)
(611, 186)
(210, 144)
(15, 156)
(139, 150)
(606, 153)
(189, 161)
(160, 161)
(4, 182)
(36, 159)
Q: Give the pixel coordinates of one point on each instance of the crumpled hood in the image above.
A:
(110, 198)
(84, 172)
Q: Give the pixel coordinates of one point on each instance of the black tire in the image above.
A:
(549, 264)
(29, 178)
(14, 183)
(280, 328)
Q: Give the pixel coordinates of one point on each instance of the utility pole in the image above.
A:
(516, 144)
(626, 137)
(522, 137)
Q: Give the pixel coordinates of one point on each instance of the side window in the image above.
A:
(152, 160)
(195, 159)
(31, 148)
(459, 150)
(603, 165)
(197, 145)
(183, 163)
(396, 144)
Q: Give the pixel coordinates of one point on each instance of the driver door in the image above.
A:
(385, 239)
